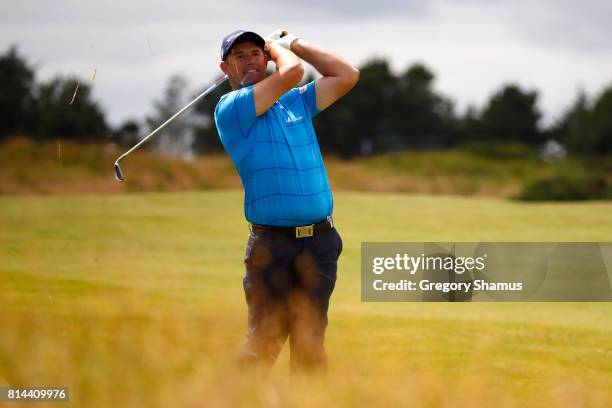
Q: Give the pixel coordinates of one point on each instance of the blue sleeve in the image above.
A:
(235, 114)
(309, 97)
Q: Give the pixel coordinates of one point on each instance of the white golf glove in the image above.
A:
(283, 37)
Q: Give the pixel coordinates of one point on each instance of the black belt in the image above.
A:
(295, 232)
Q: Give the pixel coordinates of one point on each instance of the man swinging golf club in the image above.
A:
(265, 124)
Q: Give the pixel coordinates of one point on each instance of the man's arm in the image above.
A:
(289, 73)
(339, 76)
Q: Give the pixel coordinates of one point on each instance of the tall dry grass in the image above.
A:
(59, 167)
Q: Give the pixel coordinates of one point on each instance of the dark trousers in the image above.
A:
(288, 284)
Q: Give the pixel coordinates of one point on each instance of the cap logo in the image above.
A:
(234, 36)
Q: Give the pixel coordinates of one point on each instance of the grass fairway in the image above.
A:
(136, 300)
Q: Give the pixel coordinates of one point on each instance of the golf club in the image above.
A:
(218, 82)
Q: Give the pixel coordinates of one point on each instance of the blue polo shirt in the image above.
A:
(277, 156)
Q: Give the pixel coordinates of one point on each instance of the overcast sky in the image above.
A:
(473, 46)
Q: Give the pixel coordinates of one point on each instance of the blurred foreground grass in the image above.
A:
(136, 300)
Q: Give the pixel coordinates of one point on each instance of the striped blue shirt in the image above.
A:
(277, 156)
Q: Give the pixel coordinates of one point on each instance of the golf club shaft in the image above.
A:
(160, 127)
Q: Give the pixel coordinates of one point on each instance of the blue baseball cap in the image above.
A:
(239, 36)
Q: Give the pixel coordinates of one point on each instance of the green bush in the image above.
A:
(500, 150)
(567, 187)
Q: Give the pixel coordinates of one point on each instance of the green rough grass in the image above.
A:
(61, 168)
(136, 300)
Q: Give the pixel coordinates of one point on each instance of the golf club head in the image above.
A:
(118, 172)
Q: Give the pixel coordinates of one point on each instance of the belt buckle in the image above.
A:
(305, 231)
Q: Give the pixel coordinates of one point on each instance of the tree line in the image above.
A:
(386, 111)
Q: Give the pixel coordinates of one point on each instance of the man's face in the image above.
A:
(245, 64)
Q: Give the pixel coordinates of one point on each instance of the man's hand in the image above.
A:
(277, 34)
(283, 37)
